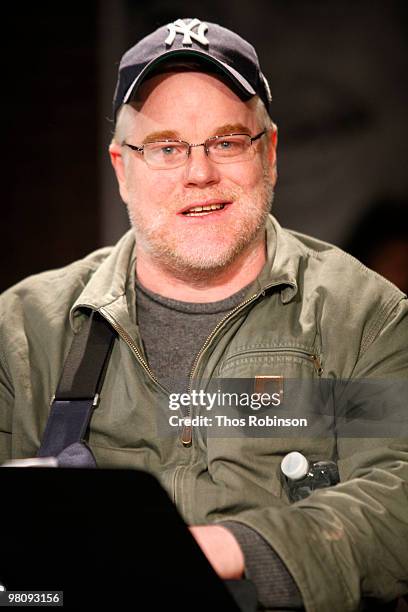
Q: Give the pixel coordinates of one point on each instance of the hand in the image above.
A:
(221, 549)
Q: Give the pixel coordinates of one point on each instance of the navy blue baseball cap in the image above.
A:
(222, 50)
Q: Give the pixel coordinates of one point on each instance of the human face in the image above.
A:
(192, 106)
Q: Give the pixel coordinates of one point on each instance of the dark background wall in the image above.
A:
(50, 192)
(338, 74)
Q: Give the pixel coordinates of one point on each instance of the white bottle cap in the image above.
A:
(294, 465)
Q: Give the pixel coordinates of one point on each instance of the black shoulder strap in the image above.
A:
(78, 390)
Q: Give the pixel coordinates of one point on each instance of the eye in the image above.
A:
(226, 146)
(168, 150)
(165, 150)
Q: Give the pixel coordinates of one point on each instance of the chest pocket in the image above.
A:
(253, 454)
(290, 362)
(294, 373)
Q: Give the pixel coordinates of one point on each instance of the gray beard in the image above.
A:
(204, 266)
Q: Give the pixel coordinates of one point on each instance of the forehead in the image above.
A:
(189, 101)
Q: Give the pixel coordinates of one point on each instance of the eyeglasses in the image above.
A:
(168, 154)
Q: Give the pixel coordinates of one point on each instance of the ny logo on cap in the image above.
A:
(179, 27)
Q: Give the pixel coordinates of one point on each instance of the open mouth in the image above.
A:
(206, 209)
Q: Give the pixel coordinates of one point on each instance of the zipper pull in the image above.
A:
(186, 435)
(317, 365)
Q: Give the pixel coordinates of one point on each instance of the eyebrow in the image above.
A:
(231, 128)
(227, 128)
(163, 135)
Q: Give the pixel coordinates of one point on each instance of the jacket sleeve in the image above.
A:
(274, 585)
(6, 407)
(6, 397)
(350, 541)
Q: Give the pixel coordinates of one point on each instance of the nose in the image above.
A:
(199, 170)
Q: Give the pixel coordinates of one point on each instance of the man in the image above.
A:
(207, 286)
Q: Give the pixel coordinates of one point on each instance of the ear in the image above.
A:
(272, 146)
(116, 157)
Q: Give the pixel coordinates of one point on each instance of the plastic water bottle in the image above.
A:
(301, 477)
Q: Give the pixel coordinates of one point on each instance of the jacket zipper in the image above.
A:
(186, 434)
(177, 469)
(125, 336)
(187, 431)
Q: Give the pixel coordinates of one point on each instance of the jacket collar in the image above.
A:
(113, 282)
(281, 269)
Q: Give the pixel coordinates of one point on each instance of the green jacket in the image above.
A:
(313, 307)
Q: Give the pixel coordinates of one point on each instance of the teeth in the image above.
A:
(197, 209)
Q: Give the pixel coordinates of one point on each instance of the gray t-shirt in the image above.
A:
(173, 332)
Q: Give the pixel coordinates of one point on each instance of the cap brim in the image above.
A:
(241, 84)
